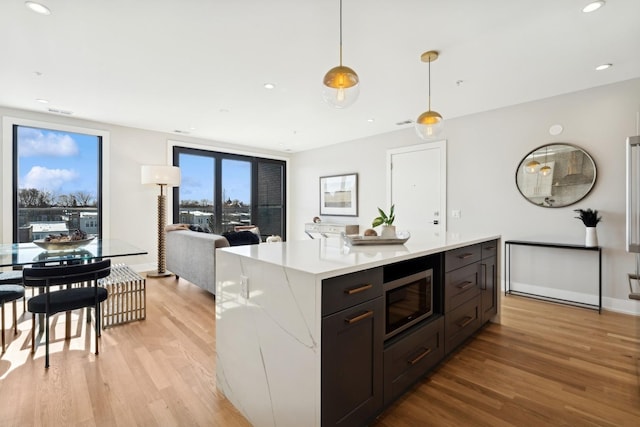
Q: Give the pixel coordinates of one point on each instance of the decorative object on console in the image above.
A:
(339, 195)
(274, 239)
(340, 88)
(590, 219)
(429, 123)
(163, 176)
(388, 229)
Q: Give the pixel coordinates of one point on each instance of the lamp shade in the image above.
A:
(160, 175)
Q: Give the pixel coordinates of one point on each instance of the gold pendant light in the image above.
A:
(429, 123)
(546, 169)
(340, 88)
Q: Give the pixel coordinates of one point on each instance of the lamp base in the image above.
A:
(158, 274)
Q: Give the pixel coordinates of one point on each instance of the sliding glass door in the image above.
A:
(221, 191)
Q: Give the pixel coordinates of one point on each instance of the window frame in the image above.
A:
(218, 157)
(9, 175)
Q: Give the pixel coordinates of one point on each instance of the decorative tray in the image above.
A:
(63, 245)
(356, 239)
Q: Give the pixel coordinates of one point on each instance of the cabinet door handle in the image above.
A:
(484, 281)
(355, 319)
(359, 289)
(465, 285)
(489, 248)
(465, 256)
(419, 357)
(464, 322)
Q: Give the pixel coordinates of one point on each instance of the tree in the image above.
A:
(34, 198)
(83, 198)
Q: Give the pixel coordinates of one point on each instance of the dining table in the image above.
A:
(18, 255)
(29, 254)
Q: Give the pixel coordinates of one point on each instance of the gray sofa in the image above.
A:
(192, 256)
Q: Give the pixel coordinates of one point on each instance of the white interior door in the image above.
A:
(417, 186)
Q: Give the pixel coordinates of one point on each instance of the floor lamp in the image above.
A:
(163, 176)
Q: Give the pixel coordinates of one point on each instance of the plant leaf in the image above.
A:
(376, 222)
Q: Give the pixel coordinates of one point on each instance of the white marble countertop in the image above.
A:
(330, 257)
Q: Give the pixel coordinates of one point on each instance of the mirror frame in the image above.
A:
(540, 151)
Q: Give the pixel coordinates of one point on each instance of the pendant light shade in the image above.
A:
(532, 166)
(340, 84)
(429, 123)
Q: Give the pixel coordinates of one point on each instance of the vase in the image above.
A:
(591, 239)
(388, 232)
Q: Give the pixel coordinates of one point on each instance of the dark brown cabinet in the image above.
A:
(409, 359)
(470, 294)
(352, 340)
(362, 373)
(489, 280)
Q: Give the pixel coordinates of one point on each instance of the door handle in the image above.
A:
(435, 221)
(465, 285)
(356, 319)
(421, 356)
(358, 289)
(465, 321)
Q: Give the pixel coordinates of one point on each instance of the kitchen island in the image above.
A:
(300, 335)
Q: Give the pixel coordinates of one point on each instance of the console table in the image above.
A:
(507, 270)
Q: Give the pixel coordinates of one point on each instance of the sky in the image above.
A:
(197, 181)
(56, 161)
(66, 162)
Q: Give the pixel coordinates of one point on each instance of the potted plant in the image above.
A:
(388, 229)
(590, 219)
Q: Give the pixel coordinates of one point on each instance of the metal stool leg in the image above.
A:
(2, 326)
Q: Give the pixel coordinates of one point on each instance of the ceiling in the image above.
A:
(199, 66)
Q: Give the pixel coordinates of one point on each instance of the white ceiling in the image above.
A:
(200, 65)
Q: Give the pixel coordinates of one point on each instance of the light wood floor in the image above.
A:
(545, 364)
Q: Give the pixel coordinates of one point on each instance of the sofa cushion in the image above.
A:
(238, 238)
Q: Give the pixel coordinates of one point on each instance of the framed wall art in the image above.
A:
(339, 195)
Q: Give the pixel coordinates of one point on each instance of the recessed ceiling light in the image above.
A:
(404, 122)
(371, 120)
(593, 6)
(603, 67)
(269, 86)
(38, 8)
(42, 101)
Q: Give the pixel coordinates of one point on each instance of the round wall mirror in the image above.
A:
(556, 175)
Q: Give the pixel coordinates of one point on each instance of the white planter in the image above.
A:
(388, 232)
(591, 238)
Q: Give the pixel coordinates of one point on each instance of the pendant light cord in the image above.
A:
(341, 33)
(429, 83)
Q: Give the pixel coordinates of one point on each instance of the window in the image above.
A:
(220, 191)
(56, 183)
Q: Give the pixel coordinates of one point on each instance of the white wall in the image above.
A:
(483, 152)
(132, 207)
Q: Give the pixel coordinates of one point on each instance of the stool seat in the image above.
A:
(66, 300)
(10, 293)
(13, 277)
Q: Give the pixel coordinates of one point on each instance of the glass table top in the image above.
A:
(13, 254)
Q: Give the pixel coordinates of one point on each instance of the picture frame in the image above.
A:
(339, 195)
